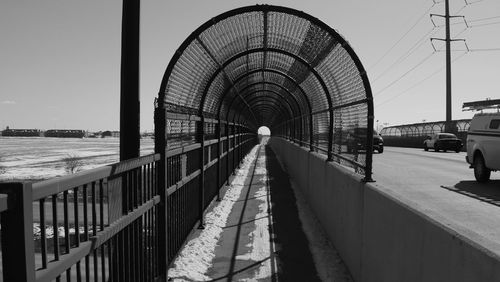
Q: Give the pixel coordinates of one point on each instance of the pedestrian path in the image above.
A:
(253, 234)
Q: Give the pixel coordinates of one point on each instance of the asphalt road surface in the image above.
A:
(442, 186)
(398, 167)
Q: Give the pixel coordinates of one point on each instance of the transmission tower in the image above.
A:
(448, 41)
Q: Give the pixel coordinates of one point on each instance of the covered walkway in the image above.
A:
(249, 67)
(259, 231)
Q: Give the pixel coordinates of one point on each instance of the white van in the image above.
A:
(483, 145)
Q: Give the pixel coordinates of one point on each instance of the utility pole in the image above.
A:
(448, 41)
(448, 60)
(129, 87)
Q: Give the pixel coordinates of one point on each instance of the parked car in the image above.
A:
(443, 141)
(356, 140)
(483, 145)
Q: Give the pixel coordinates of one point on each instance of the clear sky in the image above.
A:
(60, 60)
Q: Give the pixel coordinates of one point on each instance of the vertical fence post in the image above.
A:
(330, 136)
(369, 143)
(285, 130)
(201, 139)
(301, 133)
(311, 132)
(294, 126)
(219, 152)
(160, 120)
(234, 146)
(18, 258)
(227, 151)
(239, 145)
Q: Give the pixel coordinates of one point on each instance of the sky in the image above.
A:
(60, 60)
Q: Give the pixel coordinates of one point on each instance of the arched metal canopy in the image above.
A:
(273, 66)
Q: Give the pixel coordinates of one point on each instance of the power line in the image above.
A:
(484, 19)
(412, 49)
(401, 38)
(459, 10)
(405, 74)
(485, 49)
(467, 4)
(485, 24)
(420, 82)
(474, 2)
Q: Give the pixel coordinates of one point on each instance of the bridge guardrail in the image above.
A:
(195, 178)
(74, 226)
(103, 222)
(413, 135)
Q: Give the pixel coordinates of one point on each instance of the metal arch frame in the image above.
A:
(280, 107)
(257, 50)
(293, 115)
(265, 9)
(241, 115)
(434, 127)
(270, 99)
(294, 56)
(286, 97)
(312, 71)
(220, 68)
(246, 94)
(270, 91)
(286, 76)
(263, 105)
(289, 78)
(318, 78)
(427, 126)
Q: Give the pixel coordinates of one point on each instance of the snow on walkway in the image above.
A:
(260, 249)
(196, 257)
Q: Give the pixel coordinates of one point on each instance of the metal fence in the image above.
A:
(276, 67)
(98, 225)
(413, 135)
(200, 156)
(123, 222)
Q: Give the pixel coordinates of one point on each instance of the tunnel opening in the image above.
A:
(264, 131)
(263, 134)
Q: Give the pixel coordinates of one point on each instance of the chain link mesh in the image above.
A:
(307, 68)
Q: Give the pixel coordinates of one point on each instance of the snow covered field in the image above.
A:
(36, 158)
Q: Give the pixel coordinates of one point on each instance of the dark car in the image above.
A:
(443, 141)
(356, 140)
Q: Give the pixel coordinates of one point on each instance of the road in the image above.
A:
(441, 185)
(398, 166)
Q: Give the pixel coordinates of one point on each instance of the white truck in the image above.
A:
(483, 144)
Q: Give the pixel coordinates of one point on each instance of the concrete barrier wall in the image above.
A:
(379, 237)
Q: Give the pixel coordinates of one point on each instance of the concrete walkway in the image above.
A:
(262, 238)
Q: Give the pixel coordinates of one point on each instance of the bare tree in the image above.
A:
(72, 163)
(2, 167)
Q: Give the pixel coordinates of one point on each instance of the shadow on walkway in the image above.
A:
(294, 258)
(263, 238)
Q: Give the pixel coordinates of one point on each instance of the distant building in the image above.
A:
(108, 133)
(21, 132)
(65, 133)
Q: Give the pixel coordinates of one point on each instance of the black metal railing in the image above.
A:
(97, 225)
(186, 200)
(104, 224)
